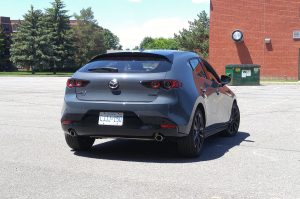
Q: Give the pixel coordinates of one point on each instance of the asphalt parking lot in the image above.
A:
(262, 161)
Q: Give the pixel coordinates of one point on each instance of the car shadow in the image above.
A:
(149, 151)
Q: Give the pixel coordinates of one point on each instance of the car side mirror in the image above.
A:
(225, 79)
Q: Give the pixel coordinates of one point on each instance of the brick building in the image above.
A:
(9, 26)
(271, 30)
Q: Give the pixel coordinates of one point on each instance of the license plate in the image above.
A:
(110, 119)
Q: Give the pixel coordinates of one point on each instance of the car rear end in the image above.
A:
(124, 95)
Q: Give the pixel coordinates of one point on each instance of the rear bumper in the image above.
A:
(141, 120)
(123, 132)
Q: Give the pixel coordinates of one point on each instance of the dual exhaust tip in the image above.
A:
(158, 137)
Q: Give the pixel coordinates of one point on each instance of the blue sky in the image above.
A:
(130, 20)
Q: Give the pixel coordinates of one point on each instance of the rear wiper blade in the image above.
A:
(105, 69)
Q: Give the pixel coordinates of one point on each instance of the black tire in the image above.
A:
(79, 142)
(191, 145)
(234, 122)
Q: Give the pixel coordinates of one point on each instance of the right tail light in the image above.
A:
(165, 84)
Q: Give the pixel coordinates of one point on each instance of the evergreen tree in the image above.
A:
(89, 37)
(24, 49)
(196, 38)
(56, 37)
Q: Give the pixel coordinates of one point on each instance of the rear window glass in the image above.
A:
(128, 66)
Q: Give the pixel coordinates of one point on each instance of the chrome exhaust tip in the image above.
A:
(159, 137)
(72, 132)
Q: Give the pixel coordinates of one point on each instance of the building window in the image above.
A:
(14, 27)
(5, 27)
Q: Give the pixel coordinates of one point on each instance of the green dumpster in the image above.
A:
(243, 74)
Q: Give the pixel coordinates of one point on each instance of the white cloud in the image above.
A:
(131, 35)
(200, 1)
(135, 1)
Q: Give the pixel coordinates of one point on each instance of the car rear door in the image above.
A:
(206, 90)
(221, 98)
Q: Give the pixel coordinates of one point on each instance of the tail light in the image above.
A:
(66, 122)
(72, 83)
(168, 126)
(155, 84)
(166, 84)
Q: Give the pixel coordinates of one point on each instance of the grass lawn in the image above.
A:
(37, 74)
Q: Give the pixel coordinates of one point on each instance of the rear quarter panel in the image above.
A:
(188, 93)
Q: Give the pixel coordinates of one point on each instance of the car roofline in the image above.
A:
(167, 57)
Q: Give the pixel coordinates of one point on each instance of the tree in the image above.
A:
(120, 47)
(25, 45)
(90, 37)
(146, 42)
(56, 37)
(196, 37)
(159, 43)
(111, 41)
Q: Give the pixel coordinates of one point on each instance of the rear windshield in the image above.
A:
(127, 66)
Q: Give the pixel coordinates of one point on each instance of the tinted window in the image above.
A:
(194, 63)
(129, 66)
(201, 71)
(211, 73)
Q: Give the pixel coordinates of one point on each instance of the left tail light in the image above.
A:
(76, 83)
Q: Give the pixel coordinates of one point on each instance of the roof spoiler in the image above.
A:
(137, 55)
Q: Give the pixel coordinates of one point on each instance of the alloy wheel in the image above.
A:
(234, 120)
(198, 136)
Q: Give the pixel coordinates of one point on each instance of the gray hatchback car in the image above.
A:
(148, 95)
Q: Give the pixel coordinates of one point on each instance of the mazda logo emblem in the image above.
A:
(113, 84)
